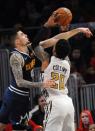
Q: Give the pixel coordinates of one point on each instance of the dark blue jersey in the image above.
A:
(29, 64)
(16, 103)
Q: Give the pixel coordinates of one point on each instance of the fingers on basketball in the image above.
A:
(63, 16)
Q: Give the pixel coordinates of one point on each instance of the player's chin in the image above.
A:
(27, 42)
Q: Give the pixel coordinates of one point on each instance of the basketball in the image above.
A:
(63, 16)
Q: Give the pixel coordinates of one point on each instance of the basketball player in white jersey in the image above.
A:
(59, 111)
(59, 115)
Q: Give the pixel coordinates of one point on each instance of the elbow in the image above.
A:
(19, 83)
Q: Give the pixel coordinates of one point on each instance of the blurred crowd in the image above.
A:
(35, 12)
(83, 59)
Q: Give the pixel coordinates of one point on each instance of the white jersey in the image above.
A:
(58, 70)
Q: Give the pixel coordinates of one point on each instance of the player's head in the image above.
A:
(19, 38)
(62, 49)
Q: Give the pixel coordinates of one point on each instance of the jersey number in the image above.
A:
(60, 78)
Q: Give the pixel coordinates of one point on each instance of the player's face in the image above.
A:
(85, 118)
(22, 38)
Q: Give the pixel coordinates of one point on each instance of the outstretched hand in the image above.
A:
(86, 31)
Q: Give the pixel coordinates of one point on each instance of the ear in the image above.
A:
(17, 41)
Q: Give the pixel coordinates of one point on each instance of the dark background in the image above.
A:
(35, 12)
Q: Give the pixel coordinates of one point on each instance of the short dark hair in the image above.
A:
(14, 33)
(62, 48)
(16, 29)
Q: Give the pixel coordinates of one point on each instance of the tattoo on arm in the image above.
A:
(16, 62)
(41, 54)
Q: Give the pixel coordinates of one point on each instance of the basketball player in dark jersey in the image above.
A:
(15, 105)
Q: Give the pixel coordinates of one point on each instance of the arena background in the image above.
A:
(32, 14)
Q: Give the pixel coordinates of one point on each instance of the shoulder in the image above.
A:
(53, 59)
(68, 59)
(16, 57)
(66, 64)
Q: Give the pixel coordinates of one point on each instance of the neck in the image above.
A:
(23, 49)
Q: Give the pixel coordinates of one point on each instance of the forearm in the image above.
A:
(68, 34)
(52, 41)
(48, 43)
(28, 84)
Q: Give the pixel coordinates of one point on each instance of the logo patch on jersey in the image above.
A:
(30, 65)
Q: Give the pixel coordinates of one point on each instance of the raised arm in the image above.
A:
(52, 41)
(69, 34)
